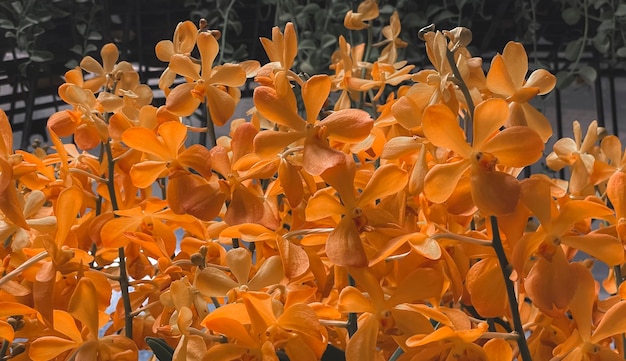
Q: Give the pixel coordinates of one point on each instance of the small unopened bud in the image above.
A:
(216, 34)
(460, 37)
(203, 24)
(203, 250)
(198, 260)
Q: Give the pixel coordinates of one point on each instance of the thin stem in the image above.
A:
(123, 280)
(510, 290)
(618, 281)
(92, 176)
(224, 29)
(18, 270)
(334, 323)
(464, 89)
(584, 39)
(504, 336)
(4, 349)
(141, 309)
(210, 128)
(195, 331)
(396, 354)
(461, 238)
(352, 319)
(304, 232)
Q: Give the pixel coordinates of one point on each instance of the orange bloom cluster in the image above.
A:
(390, 225)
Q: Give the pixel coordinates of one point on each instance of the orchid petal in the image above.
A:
(442, 179)
(314, 94)
(344, 246)
(441, 127)
(499, 80)
(515, 146)
(489, 116)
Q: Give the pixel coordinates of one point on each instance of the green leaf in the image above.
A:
(81, 28)
(588, 74)
(311, 9)
(307, 44)
(621, 10)
(606, 25)
(77, 49)
(17, 6)
(601, 42)
(71, 64)
(621, 52)
(571, 16)
(564, 79)
(90, 48)
(386, 9)
(161, 349)
(597, 4)
(41, 56)
(94, 35)
(573, 48)
(328, 40)
(6, 24)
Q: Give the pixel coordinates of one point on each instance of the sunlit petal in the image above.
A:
(489, 116)
(515, 147)
(442, 179)
(441, 127)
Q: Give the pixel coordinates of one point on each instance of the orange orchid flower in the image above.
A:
(39, 219)
(281, 51)
(279, 106)
(67, 341)
(167, 156)
(213, 282)
(507, 78)
(549, 281)
(105, 74)
(249, 203)
(258, 330)
(392, 43)
(578, 154)
(382, 316)
(153, 218)
(611, 159)
(344, 246)
(85, 121)
(346, 62)
(218, 86)
(382, 74)
(183, 42)
(494, 192)
(586, 343)
(446, 341)
(616, 192)
(367, 10)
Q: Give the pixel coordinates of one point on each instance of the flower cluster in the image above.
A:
(388, 222)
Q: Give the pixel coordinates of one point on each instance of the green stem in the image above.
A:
(510, 290)
(464, 89)
(224, 29)
(210, 129)
(396, 354)
(368, 51)
(618, 281)
(352, 319)
(4, 349)
(584, 37)
(124, 282)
